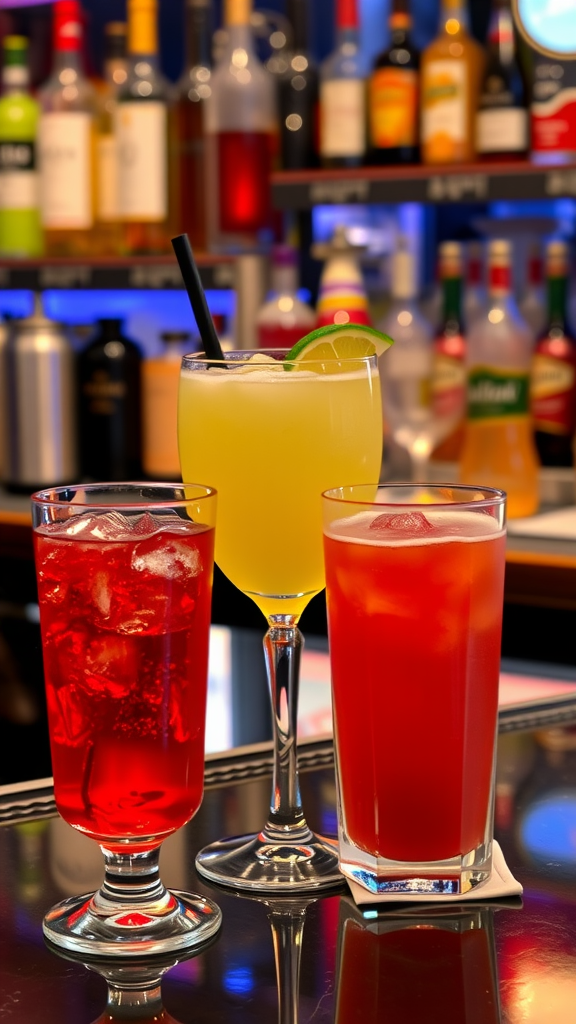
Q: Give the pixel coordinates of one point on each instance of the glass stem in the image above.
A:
(283, 646)
(132, 881)
(287, 929)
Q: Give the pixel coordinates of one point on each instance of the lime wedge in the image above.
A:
(336, 342)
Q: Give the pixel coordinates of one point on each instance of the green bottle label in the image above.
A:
(493, 394)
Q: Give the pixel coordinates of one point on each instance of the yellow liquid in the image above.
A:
(501, 453)
(270, 442)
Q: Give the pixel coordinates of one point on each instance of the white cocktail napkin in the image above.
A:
(501, 883)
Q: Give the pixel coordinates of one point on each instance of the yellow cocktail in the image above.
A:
(271, 441)
(270, 437)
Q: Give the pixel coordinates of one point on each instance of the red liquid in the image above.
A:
(275, 336)
(192, 172)
(125, 628)
(417, 974)
(244, 168)
(415, 651)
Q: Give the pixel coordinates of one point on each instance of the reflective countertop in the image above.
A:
(467, 963)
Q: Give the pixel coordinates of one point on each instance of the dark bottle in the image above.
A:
(393, 95)
(502, 118)
(298, 96)
(553, 374)
(195, 88)
(109, 415)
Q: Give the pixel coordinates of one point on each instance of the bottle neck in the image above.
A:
(68, 60)
(298, 18)
(534, 272)
(15, 79)
(346, 16)
(557, 294)
(237, 13)
(199, 28)
(501, 35)
(452, 298)
(499, 281)
(453, 17)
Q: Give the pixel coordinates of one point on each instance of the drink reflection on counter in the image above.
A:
(434, 966)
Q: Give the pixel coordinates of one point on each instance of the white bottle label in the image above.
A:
(342, 117)
(18, 190)
(444, 94)
(66, 170)
(142, 137)
(107, 178)
(502, 131)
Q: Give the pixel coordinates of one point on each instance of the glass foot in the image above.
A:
(92, 925)
(303, 862)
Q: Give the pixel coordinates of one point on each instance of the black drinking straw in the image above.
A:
(196, 294)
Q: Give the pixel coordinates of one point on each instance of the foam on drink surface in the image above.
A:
(414, 528)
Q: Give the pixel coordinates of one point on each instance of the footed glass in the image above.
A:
(124, 586)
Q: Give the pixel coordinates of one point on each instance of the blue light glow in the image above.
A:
(548, 829)
(239, 981)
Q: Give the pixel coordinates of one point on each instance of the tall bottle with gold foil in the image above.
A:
(142, 128)
(66, 141)
(450, 73)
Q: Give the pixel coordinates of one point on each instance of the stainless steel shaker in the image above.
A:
(39, 407)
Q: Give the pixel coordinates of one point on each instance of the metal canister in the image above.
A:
(40, 406)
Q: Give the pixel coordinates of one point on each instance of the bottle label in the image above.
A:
(495, 394)
(66, 172)
(553, 395)
(448, 387)
(553, 109)
(18, 178)
(444, 108)
(393, 108)
(502, 131)
(342, 117)
(141, 132)
(107, 178)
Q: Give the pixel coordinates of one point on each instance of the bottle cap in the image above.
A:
(556, 259)
(67, 26)
(237, 12)
(15, 69)
(346, 14)
(398, 20)
(499, 251)
(115, 40)
(450, 258)
(143, 26)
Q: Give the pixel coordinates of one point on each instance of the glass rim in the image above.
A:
(246, 354)
(52, 497)
(491, 496)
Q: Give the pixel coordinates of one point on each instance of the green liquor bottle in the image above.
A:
(20, 230)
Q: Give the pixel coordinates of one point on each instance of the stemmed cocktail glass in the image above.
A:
(270, 435)
(124, 586)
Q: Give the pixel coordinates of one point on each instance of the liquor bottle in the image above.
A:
(66, 141)
(532, 305)
(553, 378)
(450, 72)
(284, 318)
(298, 96)
(141, 128)
(474, 304)
(502, 119)
(448, 368)
(342, 296)
(343, 94)
(160, 377)
(20, 230)
(109, 415)
(194, 88)
(242, 127)
(393, 102)
(553, 111)
(498, 444)
(109, 228)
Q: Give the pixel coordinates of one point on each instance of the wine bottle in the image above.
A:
(109, 226)
(502, 119)
(393, 94)
(343, 94)
(298, 96)
(20, 230)
(194, 88)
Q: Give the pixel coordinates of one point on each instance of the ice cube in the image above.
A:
(71, 718)
(410, 522)
(172, 560)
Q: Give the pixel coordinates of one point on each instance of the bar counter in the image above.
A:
(510, 961)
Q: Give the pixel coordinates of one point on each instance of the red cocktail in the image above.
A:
(124, 585)
(415, 613)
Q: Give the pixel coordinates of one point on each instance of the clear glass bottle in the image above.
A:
(110, 234)
(195, 87)
(553, 376)
(66, 141)
(450, 72)
(284, 318)
(142, 133)
(298, 96)
(242, 127)
(343, 94)
(20, 230)
(393, 94)
(498, 445)
(502, 118)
